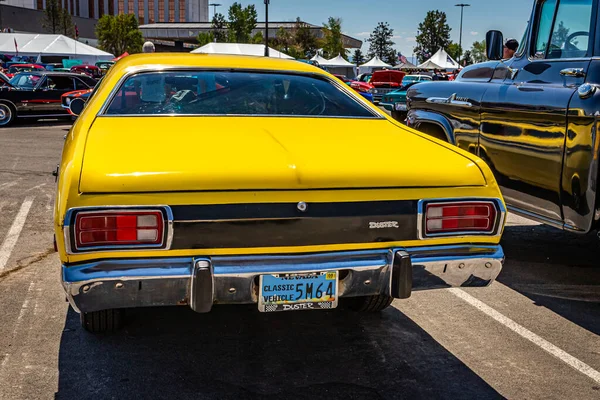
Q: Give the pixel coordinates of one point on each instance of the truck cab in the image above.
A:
(533, 118)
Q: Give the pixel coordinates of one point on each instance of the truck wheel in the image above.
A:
(399, 116)
(102, 321)
(370, 303)
(7, 114)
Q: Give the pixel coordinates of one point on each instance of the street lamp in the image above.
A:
(462, 7)
(213, 5)
(267, 2)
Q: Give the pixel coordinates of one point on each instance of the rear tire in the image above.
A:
(102, 321)
(8, 114)
(370, 304)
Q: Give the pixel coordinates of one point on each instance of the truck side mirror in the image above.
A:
(494, 45)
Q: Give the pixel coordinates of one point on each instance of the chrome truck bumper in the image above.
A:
(204, 281)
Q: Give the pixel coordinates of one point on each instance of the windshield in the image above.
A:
(233, 93)
(25, 80)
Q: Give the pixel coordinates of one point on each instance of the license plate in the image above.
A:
(400, 107)
(293, 292)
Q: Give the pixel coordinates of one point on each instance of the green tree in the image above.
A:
(241, 23)
(333, 45)
(66, 23)
(358, 57)
(53, 16)
(219, 28)
(306, 42)
(119, 34)
(434, 34)
(467, 58)
(478, 52)
(284, 40)
(205, 38)
(257, 38)
(381, 43)
(454, 51)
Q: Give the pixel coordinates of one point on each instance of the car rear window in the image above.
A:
(233, 93)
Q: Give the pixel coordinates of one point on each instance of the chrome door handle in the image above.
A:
(453, 100)
(574, 72)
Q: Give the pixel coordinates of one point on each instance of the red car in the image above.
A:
(65, 99)
(343, 78)
(381, 82)
(16, 68)
(90, 70)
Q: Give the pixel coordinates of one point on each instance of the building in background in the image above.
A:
(147, 11)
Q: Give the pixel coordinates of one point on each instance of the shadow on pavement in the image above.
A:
(556, 269)
(238, 353)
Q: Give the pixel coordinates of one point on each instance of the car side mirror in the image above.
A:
(77, 105)
(494, 45)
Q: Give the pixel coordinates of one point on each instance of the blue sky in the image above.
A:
(359, 17)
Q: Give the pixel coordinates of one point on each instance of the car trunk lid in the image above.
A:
(157, 154)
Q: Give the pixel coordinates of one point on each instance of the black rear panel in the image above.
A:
(284, 224)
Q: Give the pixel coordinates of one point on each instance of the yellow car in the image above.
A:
(207, 179)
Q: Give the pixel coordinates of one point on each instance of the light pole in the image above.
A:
(462, 7)
(213, 5)
(267, 27)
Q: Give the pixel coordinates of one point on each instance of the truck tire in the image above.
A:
(370, 304)
(102, 321)
(8, 114)
(399, 116)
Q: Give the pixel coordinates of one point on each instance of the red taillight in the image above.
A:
(456, 218)
(127, 228)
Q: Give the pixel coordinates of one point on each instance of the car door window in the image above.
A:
(80, 85)
(62, 83)
(563, 33)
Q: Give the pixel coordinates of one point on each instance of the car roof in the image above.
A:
(212, 61)
(42, 73)
(26, 65)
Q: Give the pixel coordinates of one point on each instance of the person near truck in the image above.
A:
(510, 48)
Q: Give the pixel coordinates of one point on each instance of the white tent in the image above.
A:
(440, 60)
(40, 45)
(239, 49)
(318, 59)
(375, 62)
(337, 62)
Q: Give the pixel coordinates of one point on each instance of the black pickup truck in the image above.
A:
(533, 118)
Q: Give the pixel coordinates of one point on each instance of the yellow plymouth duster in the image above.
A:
(207, 179)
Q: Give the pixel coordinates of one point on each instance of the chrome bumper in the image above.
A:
(204, 281)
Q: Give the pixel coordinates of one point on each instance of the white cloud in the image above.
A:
(362, 34)
(473, 33)
(396, 37)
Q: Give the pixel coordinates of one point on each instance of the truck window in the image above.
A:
(571, 33)
(544, 27)
(567, 34)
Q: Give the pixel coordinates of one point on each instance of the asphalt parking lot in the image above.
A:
(533, 334)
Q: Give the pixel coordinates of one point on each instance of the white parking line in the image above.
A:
(527, 334)
(13, 233)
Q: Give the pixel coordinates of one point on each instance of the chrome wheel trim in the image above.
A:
(5, 114)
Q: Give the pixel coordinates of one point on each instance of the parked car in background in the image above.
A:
(38, 94)
(16, 68)
(104, 66)
(532, 118)
(343, 78)
(362, 86)
(415, 78)
(380, 83)
(90, 70)
(67, 98)
(294, 188)
(395, 102)
(4, 80)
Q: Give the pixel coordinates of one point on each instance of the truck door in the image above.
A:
(523, 120)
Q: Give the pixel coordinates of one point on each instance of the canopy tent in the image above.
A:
(375, 62)
(406, 65)
(40, 45)
(338, 65)
(243, 49)
(319, 59)
(337, 62)
(440, 60)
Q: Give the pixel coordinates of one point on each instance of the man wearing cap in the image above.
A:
(510, 48)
